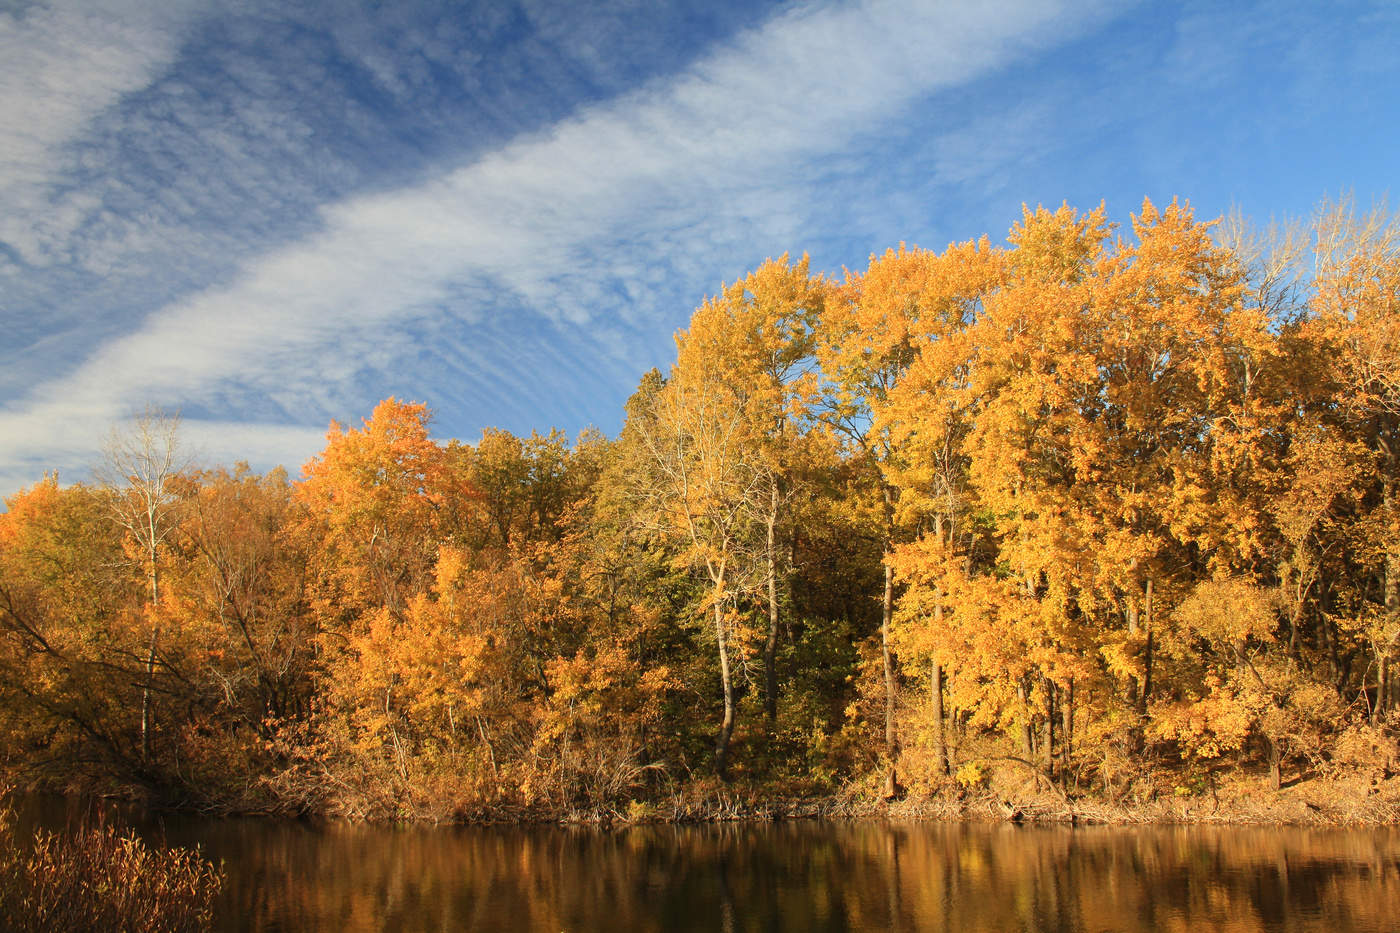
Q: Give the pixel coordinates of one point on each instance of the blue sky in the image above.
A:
(269, 215)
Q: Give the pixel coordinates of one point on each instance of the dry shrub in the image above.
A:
(97, 879)
(1364, 748)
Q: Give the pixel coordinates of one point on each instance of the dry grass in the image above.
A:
(1346, 799)
(98, 879)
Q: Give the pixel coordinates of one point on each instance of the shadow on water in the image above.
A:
(793, 876)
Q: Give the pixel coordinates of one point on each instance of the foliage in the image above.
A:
(1096, 502)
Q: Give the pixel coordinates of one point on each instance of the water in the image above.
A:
(798, 876)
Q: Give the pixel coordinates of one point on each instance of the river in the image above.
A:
(797, 876)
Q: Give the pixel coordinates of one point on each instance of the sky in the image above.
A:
(269, 215)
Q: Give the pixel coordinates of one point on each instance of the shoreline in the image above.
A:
(1348, 801)
(1043, 810)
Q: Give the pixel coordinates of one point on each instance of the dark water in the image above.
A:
(798, 876)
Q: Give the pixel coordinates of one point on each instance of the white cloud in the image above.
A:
(211, 443)
(669, 175)
(204, 443)
(63, 65)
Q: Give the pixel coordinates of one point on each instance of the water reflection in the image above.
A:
(801, 876)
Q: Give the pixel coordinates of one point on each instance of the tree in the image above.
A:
(753, 343)
(872, 330)
(374, 497)
(141, 463)
(1356, 321)
(698, 496)
(69, 652)
(927, 421)
(244, 583)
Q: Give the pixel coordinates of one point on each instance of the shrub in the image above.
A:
(97, 879)
(971, 775)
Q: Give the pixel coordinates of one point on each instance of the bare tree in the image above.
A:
(138, 465)
(1273, 261)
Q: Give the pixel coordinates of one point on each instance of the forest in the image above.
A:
(1108, 510)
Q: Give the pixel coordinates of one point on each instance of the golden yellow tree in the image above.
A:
(753, 343)
(1356, 321)
(373, 497)
(870, 333)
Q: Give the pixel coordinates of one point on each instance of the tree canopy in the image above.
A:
(1104, 507)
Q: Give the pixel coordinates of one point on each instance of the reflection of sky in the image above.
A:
(269, 215)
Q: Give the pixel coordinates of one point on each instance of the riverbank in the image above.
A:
(1233, 800)
(1351, 801)
(1225, 797)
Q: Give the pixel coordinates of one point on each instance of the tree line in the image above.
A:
(1105, 507)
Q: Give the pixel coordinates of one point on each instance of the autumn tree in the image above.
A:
(754, 343)
(698, 494)
(923, 417)
(71, 639)
(244, 590)
(1356, 320)
(522, 487)
(141, 463)
(870, 333)
(374, 496)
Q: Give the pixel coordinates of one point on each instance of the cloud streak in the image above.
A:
(540, 237)
(64, 65)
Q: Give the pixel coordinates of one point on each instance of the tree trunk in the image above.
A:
(936, 685)
(1027, 734)
(490, 749)
(886, 614)
(1392, 594)
(1295, 612)
(770, 645)
(1066, 731)
(726, 728)
(1050, 693)
(1392, 559)
(1380, 707)
(891, 739)
(940, 761)
(1131, 614)
(147, 714)
(1147, 651)
(1334, 659)
(399, 757)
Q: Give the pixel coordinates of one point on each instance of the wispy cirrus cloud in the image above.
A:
(64, 65)
(505, 211)
(254, 115)
(574, 235)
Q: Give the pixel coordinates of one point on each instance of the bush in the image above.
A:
(97, 879)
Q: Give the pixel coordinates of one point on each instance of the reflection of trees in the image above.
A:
(806, 877)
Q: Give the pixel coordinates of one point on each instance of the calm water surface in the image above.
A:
(798, 876)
